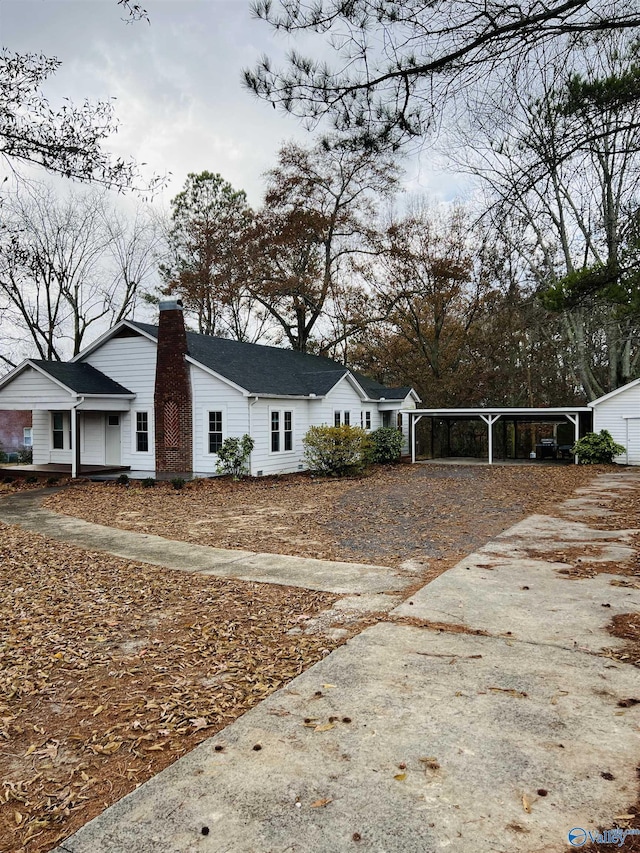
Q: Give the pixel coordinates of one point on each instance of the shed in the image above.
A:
(619, 413)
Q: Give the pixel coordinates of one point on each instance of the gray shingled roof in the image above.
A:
(81, 377)
(271, 370)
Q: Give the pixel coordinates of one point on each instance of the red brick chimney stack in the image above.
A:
(172, 400)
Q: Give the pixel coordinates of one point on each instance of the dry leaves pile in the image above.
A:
(111, 670)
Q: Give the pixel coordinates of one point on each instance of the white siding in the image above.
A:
(132, 363)
(210, 394)
(282, 462)
(614, 414)
(407, 403)
(342, 398)
(31, 389)
(41, 438)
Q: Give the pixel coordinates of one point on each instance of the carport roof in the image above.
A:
(541, 413)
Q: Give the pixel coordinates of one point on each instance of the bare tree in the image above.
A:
(565, 198)
(67, 266)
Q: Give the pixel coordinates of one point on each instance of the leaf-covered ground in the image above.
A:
(111, 670)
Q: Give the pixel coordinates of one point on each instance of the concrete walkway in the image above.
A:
(24, 509)
(503, 732)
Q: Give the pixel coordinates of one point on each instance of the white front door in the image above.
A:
(112, 440)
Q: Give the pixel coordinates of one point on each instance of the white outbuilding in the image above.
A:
(619, 413)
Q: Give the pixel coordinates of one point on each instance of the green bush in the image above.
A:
(148, 483)
(3, 456)
(178, 483)
(123, 480)
(386, 444)
(336, 451)
(597, 448)
(233, 456)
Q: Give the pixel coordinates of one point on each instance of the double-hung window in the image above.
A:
(142, 432)
(27, 437)
(281, 431)
(341, 418)
(57, 432)
(288, 431)
(215, 431)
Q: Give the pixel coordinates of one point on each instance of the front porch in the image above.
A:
(61, 469)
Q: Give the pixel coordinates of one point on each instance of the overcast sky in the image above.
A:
(177, 84)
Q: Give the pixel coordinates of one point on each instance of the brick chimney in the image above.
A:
(172, 398)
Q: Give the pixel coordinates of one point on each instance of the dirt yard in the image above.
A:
(432, 513)
(110, 670)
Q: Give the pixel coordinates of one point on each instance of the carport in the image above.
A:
(579, 417)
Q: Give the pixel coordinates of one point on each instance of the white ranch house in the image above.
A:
(157, 399)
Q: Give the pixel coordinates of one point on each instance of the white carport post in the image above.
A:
(575, 420)
(490, 421)
(412, 432)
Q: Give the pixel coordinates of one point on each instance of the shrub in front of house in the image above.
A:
(597, 448)
(385, 445)
(178, 483)
(233, 456)
(25, 455)
(336, 451)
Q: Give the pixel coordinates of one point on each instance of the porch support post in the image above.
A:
(575, 420)
(75, 444)
(490, 421)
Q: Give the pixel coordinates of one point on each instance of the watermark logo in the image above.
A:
(578, 837)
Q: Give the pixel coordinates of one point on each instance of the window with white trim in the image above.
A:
(57, 430)
(367, 420)
(343, 418)
(215, 431)
(336, 419)
(27, 436)
(281, 423)
(142, 432)
(288, 431)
